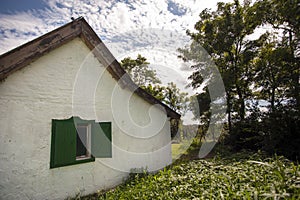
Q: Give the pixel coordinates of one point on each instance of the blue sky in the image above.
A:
(154, 28)
(24, 20)
(14, 6)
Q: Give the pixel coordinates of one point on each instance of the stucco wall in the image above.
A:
(67, 82)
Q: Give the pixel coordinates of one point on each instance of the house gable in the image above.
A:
(22, 56)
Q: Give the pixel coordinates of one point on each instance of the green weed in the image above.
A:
(254, 177)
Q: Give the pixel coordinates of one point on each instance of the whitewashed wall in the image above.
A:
(67, 82)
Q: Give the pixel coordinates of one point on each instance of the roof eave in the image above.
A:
(27, 53)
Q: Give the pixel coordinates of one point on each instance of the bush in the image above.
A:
(274, 132)
(281, 131)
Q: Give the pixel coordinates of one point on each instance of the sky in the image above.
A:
(24, 20)
(153, 28)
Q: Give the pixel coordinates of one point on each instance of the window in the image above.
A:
(76, 141)
(83, 141)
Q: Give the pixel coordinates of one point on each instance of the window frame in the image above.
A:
(63, 149)
(88, 146)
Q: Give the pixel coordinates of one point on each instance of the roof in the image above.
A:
(23, 55)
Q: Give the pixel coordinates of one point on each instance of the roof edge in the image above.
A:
(23, 55)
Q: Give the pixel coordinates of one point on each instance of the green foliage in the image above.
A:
(245, 134)
(176, 99)
(146, 78)
(200, 104)
(252, 178)
(200, 107)
(271, 72)
(155, 90)
(280, 129)
(276, 131)
(266, 68)
(170, 95)
(276, 79)
(138, 69)
(284, 17)
(223, 33)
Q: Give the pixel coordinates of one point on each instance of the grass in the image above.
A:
(235, 176)
(252, 178)
(178, 150)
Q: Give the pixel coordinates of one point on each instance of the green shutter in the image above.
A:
(101, 140)
(63, 141)
(63, 144)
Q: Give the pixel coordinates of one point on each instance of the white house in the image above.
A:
(71, 119)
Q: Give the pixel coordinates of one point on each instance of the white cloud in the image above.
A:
(15, 32)
(108, 18)
(131, 26)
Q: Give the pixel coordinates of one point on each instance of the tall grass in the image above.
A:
(235, 178)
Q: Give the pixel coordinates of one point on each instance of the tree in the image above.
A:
(265, 68)
(223, 34)
(271, 72)
(139, 71)
(155, 90)
(200, 104)
(170, 95)
(284, 17)
(200, 107)
(176, 99)
(146, 78)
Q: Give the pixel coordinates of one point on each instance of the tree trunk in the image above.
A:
(273, 99)
(228, 98)
(242, 103)
(295, 73)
